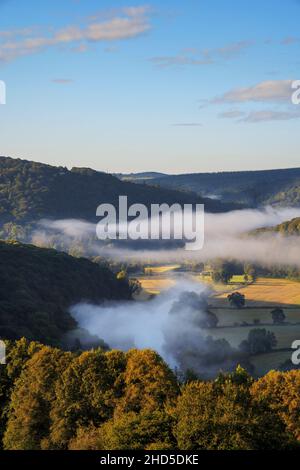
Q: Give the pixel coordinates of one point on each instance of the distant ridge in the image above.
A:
(251, 188)
(30, 191)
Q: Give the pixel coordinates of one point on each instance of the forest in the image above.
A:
(30, 191)
(89, 394)
(279, 187)
(97, 400)
(38, 285)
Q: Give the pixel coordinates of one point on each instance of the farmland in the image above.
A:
(271, 291)
(235, 324)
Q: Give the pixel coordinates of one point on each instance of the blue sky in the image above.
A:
(174, 86)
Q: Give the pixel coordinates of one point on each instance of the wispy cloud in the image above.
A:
(128, 22)
(276, 91)
(269, 115)
(290, 40)
(194, 56)
(180, 59)
(231, 50)
(233, 114)
(62, 81)
(14, 33)
(264, 115)
(187, 124)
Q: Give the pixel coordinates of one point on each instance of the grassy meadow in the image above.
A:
(234, 324)
(273, 291)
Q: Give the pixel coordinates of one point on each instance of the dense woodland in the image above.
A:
(116, 400)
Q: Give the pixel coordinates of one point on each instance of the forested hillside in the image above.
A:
(115, 400)
(30, 191)
(288, 228)
(252, 188)
(38, 285)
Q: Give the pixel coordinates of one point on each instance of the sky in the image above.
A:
(174, 86)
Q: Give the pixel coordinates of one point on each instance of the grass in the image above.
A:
(161, 269)
(263, 363)
(236, 283)
(272, 291)
(155, 285)
(285, 335)
(261, 297)
(230, 316)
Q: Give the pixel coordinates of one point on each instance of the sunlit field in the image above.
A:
(236, 283)
(235, 324)
(155, 285)
(161, 269)
(271, 291)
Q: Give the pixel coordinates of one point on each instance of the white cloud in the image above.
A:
(128, 23)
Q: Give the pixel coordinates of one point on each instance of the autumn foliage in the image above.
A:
(97, 400)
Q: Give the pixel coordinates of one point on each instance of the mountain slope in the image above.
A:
(252, 188)
(38, 285)
(288, 228)
(30, 191)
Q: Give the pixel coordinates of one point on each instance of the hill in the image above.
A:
(38, 285)
(146, 175)
(30, 191)
(288, 228)
(251, 188)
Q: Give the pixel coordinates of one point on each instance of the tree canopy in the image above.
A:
(114, 400)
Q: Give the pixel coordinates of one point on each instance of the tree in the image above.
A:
(236, 299)
(250, 272)
(149, 383)
(278, 316)
(196, 307)
(37, 287)
(259, 341)
(18, 353)
(128, 431)
(29, 418)
(223, 415)
(280, 390)
(86, 394)
(223, 270)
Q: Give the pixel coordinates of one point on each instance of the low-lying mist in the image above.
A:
(226, 235)
(175, 324)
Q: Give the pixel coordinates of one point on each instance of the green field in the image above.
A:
(285, 335)
(231, 316)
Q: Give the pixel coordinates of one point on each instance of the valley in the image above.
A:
(234, 325)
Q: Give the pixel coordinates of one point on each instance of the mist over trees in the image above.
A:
(259, 341)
